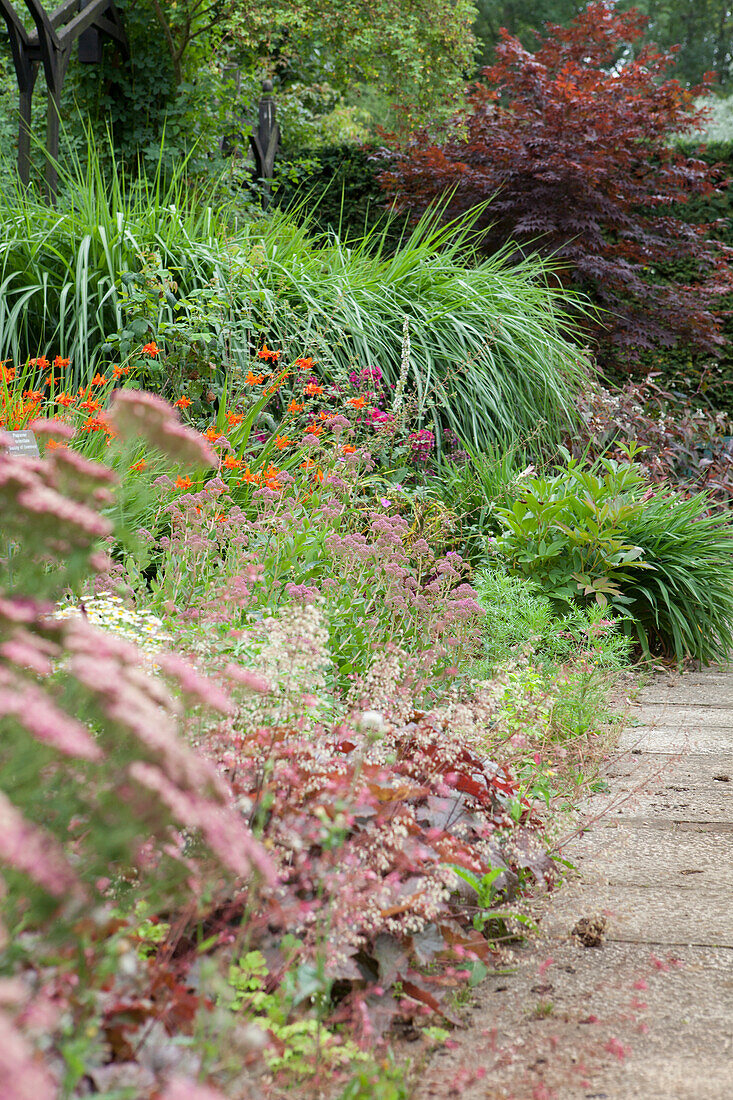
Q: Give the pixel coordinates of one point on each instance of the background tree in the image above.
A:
(703, 30)
(571, 144)
(212, 56)
(521, 19)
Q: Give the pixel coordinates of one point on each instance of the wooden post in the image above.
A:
(24, 128)
(265, 141)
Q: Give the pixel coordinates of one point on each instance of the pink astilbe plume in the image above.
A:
(222, 828)
(200, 689)
(34, 852)
(136, 415)
(139, 704)
(32, 709)
(94, 764)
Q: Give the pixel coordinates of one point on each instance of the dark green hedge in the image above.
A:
(336, 187)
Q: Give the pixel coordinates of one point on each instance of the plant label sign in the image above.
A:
(20, 443)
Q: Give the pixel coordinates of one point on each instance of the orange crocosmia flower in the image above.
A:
(119, 372)
(222, 517)
(183, 482)
(212, 434)
(304, 364)
(98, 380)
(60, 363)
(182, 402)
(41, 362)
(347, 449)
(95, 424)
(314, 429)
(232, 463)
(248, 478)
(268, 355)
(357, 402)
(7, 374)
(282, 442)
(308, 464)
(318, 475)
(312, 389)
(48, 381)
(233, 419)
(294, 407)
(150, 349)
(274, 484)
(52, 445)
(65, 399)
(271, 471)
(254, 379)
(139, 466)
(91, 405)
(33, 396)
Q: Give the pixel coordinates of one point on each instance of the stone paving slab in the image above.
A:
(687, 715)
(673, 739)
(618, 1022)
(697, 789)
(716, 696)
(640, 856)
(649, 914)
(624, 1021)
(694, 772)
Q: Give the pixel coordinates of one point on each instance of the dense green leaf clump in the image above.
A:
(654, 556)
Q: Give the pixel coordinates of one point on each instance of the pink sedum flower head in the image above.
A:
(136, 414)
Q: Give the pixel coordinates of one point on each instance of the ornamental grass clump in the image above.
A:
(491, 352)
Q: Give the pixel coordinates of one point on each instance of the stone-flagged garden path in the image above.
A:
(648, 1013)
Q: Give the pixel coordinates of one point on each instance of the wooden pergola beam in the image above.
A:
(50, 45)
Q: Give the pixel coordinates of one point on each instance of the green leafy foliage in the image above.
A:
(702, 35)
(605, 534)
(519, 18)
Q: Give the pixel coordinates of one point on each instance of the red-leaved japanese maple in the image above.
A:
(571, 144)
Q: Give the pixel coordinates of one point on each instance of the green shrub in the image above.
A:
(472, 483)
(605, 535)
(490, 353)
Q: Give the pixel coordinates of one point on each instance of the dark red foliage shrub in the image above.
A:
(570, 143)
(367, 823)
